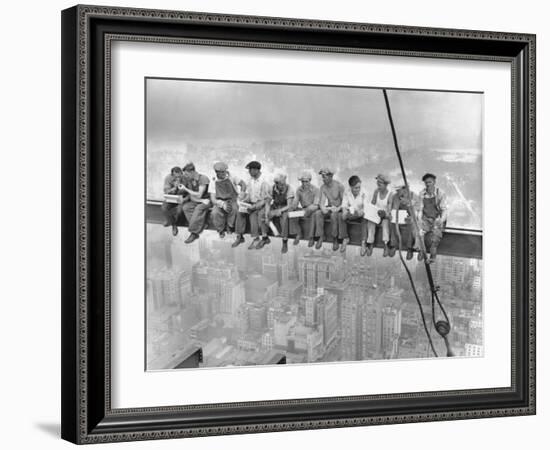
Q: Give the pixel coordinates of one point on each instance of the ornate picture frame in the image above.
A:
(88, 33)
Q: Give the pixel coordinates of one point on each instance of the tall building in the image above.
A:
(232, 296)
(257, 316)
(371, 332)
(327, 316)
(391, 330)
(275, 269)
(451, 269)
(316, 271)
(473, 350)
(351, 325)
(167, 287)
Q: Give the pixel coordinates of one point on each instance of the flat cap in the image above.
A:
(188, 166)
(383, 178)
(253, 165)
(305, 175)
(280, 177)
(326, 171)
(220, 166)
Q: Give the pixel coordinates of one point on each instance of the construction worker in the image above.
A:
(306, 199)
(380, 199)
(433, 217)
(172, 211)
(282, 196)
(353, 209)
(331, 195)
(256, 197)
(400, 205)
(196, 209)
(224, 199)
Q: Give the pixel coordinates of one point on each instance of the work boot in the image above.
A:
(369, 249)
(363, 248)
(264, 241)
(192, 237)
(345, 243)
(386, 250)
(391, 251)
(297, 240)
(410, 254)
(238, 240)
(335, 245)
(311, 242)
(420, 256)
(174, 230)
(221, 234)
(254, 243)
(284, 248)
(319, 243)
(166, 223)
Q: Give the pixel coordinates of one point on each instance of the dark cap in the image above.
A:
(188, 166)
(253, 165)
(429, 175)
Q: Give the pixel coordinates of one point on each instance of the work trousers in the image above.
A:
(171, 212)
(256, 225)
(344, 221)
(407, 236)
(337, 224)
(195, 213)
(281, 222)
(433, 231)
(225, 220)
(306, 223)
(371, 230)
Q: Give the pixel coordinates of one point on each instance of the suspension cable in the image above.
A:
(442, 327)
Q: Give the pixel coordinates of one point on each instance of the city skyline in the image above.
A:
(243, 307)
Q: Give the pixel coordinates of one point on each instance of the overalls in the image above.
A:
(433, 229)
(225, 190)
(195, 212)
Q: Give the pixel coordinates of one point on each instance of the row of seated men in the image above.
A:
(232, 202)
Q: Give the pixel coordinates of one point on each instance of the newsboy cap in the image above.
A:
(326, 171)
(220, 166)
(253, 165)
(383, 178)
(305, 176)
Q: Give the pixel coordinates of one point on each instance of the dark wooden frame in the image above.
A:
(87, 416)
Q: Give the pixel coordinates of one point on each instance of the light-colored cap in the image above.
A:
(305, 176)
(326, 171)
(220, 166)
(280, 177)
(383, 178)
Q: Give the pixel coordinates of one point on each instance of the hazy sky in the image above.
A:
(180, 110)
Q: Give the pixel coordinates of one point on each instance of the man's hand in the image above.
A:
(381, 213)
(275, 213)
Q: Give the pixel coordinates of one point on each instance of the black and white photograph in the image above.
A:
(311, 224)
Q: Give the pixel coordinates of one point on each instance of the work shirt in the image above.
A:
(195, 181)
(332, 194)
(281, 198)
(306, 196)
(355, 205)
(381, 203)
(224, 192)
(171, 184)
(257, 189)
(440, 201)
(398, 200)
